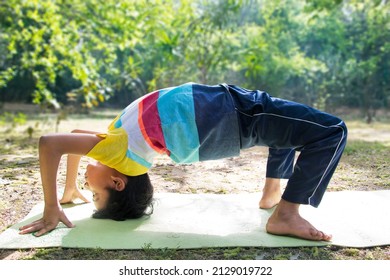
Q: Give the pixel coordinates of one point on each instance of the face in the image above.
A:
(99, 179)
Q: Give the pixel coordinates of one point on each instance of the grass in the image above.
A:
(365, 166)
(235, 253)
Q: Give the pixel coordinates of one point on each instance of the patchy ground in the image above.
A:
(364, 166)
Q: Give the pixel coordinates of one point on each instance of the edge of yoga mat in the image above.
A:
(209, 220)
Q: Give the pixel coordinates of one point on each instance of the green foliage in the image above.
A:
(11, 120)
(322, 4)
(324, 53)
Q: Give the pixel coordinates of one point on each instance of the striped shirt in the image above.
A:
(188, 123)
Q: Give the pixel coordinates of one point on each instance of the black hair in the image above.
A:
(133, 202)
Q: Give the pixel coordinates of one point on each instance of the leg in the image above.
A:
(279, 166)
(271, 193)
(312, 173)
(314, 168)
(284, 124)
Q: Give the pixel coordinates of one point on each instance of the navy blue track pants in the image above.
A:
(286, 127)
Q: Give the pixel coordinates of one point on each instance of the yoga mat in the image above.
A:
(356, 219)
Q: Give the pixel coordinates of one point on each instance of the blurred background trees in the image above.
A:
(325, 53)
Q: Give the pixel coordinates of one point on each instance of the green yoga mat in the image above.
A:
(356, 219)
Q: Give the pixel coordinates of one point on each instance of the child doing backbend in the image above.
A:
(190, 123)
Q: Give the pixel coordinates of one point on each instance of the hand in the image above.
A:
(71, 194)
(51, 217)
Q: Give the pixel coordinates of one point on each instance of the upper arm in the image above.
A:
(85, 131)
(79, 143)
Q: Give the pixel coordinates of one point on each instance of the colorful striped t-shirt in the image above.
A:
(189, 123)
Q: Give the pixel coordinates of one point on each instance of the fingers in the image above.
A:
(42, 226)
(39, 227)
(66, 198)
(83, 198)
(42, 232)
(64, 201)
(29, 228)
(70, 198)
(30, 225)
(66, 221)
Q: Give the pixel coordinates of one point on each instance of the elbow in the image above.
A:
(43, 142)
(46, 142)
(49, 146)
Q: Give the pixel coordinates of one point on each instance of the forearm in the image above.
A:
(49, 159)
(72, 170)
(72, 165)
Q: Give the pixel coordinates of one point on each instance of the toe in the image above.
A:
(319, 235)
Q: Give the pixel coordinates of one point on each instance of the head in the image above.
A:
(117, 196)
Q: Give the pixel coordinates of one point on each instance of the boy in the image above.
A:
(190, 123)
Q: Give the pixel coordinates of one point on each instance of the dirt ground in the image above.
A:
(20, 187)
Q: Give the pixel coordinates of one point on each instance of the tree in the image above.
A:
(320, 52)
(61, 47)
(271, 58)
(367, 65)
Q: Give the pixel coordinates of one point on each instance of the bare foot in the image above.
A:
(286, 221)
(271, 193)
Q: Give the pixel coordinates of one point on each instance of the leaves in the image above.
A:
(319, 52)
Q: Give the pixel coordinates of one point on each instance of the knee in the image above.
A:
(343, 134)
(344, 129)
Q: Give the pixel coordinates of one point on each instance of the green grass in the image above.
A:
(235, 253)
